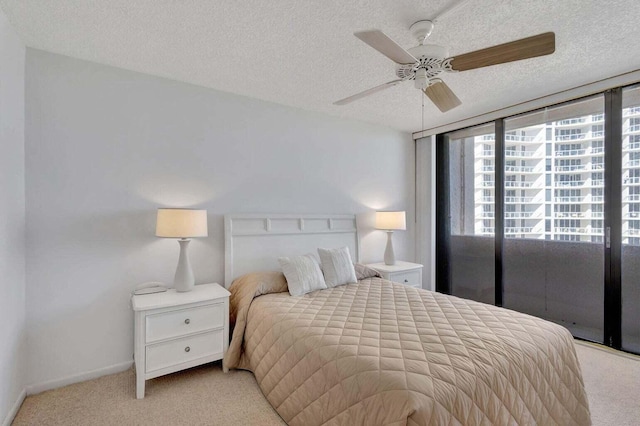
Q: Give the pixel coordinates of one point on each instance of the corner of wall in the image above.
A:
(14, 409)
(13, 349)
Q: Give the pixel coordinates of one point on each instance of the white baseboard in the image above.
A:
(14, 410)
(76, 378)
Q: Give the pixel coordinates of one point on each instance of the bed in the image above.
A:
(381, 353)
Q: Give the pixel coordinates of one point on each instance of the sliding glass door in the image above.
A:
(540, 213)
(553, 252)
(471, 224)
(630, 276)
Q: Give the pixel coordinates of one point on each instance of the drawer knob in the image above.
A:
(406, 281)
(187, 321)
(187, 349)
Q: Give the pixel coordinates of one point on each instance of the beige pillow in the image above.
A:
(363, 271)
(337, 266)
(303, 274)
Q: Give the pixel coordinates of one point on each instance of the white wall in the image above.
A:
(105, 147)
(12, 220)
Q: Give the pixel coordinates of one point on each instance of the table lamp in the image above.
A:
(183, 224)
(390, 221)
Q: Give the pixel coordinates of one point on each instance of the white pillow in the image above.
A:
(337, 266)
(303, 274)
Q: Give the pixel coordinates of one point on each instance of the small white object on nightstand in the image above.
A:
(175, 330)
(402, 272)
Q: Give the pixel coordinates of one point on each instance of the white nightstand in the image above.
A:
(402, 272)
(174, 331)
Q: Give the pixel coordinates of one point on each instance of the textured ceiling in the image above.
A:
(303, 53)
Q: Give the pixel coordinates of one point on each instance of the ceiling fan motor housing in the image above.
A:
(431, 57)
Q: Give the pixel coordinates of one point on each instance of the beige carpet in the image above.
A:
(612, 379)
(206, 396)
(199, 396)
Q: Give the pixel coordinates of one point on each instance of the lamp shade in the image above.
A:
(181, 223)
(391, 220)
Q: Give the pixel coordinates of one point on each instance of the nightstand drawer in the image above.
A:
(184, 321)
(411, 278)
(171, 353)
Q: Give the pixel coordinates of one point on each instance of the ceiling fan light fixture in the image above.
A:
(422, 81)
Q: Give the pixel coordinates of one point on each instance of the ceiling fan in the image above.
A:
(425, 62)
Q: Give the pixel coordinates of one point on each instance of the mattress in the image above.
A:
(381, 353)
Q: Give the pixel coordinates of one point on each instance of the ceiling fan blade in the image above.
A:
(367, 92)
(441, 95)
(530, 47)
(385, 45)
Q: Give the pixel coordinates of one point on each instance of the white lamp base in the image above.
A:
(389, 255)
(184, 280)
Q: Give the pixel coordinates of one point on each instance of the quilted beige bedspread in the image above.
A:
(380, 353)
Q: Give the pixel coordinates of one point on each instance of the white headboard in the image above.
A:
(254, 242)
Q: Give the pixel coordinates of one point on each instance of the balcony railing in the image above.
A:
(517, 153)
(571, 121)
(518, 215)
(487, 153)
(487, 199)
(633, 163)
(487, 215)
(576, 167)
(571, 168)
(632, 111)
(597, 198)
(570, 152)
(570, 214)
(632, 181)
(487, 229)
(634, 128)
(518, 184)
(571, 137)
(488, 168)
(570, 183)
(488, 183)
(633, 146)
(518, 138)
(582, 152)
(521, 169)
(597, 182)
(569, 199)
(578, 230)
(632, 197)
(518, 230)
(570, 230)
(518, 199)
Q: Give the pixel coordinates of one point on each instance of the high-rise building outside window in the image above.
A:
(566, 158)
